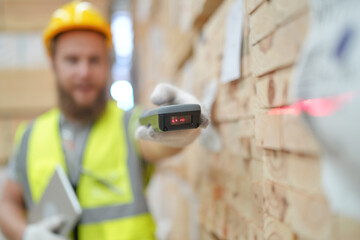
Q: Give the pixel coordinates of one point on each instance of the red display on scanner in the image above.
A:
(178, 120)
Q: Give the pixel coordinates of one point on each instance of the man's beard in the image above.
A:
(83, 114)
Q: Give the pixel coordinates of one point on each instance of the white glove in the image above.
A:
(43, 230)
(328, 71)
(166, 94)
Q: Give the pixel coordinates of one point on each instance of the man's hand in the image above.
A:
(43, 230)
(166, 94)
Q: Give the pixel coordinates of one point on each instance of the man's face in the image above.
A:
(80, 62)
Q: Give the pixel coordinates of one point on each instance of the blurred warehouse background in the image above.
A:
(256, 174)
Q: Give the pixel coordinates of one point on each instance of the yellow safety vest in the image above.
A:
(109, 155)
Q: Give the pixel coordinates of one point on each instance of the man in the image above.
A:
(89, 136)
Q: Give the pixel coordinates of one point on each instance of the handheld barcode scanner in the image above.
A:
(173, 117)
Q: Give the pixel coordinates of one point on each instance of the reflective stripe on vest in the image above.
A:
(103, 210)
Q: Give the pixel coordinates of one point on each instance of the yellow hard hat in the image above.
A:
(76, 15)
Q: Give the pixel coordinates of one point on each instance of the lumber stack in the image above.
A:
(265, 183)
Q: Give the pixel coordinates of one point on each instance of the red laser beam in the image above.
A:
(317, 107)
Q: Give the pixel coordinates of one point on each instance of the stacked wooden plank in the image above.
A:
(34, 15)
(265, 183)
